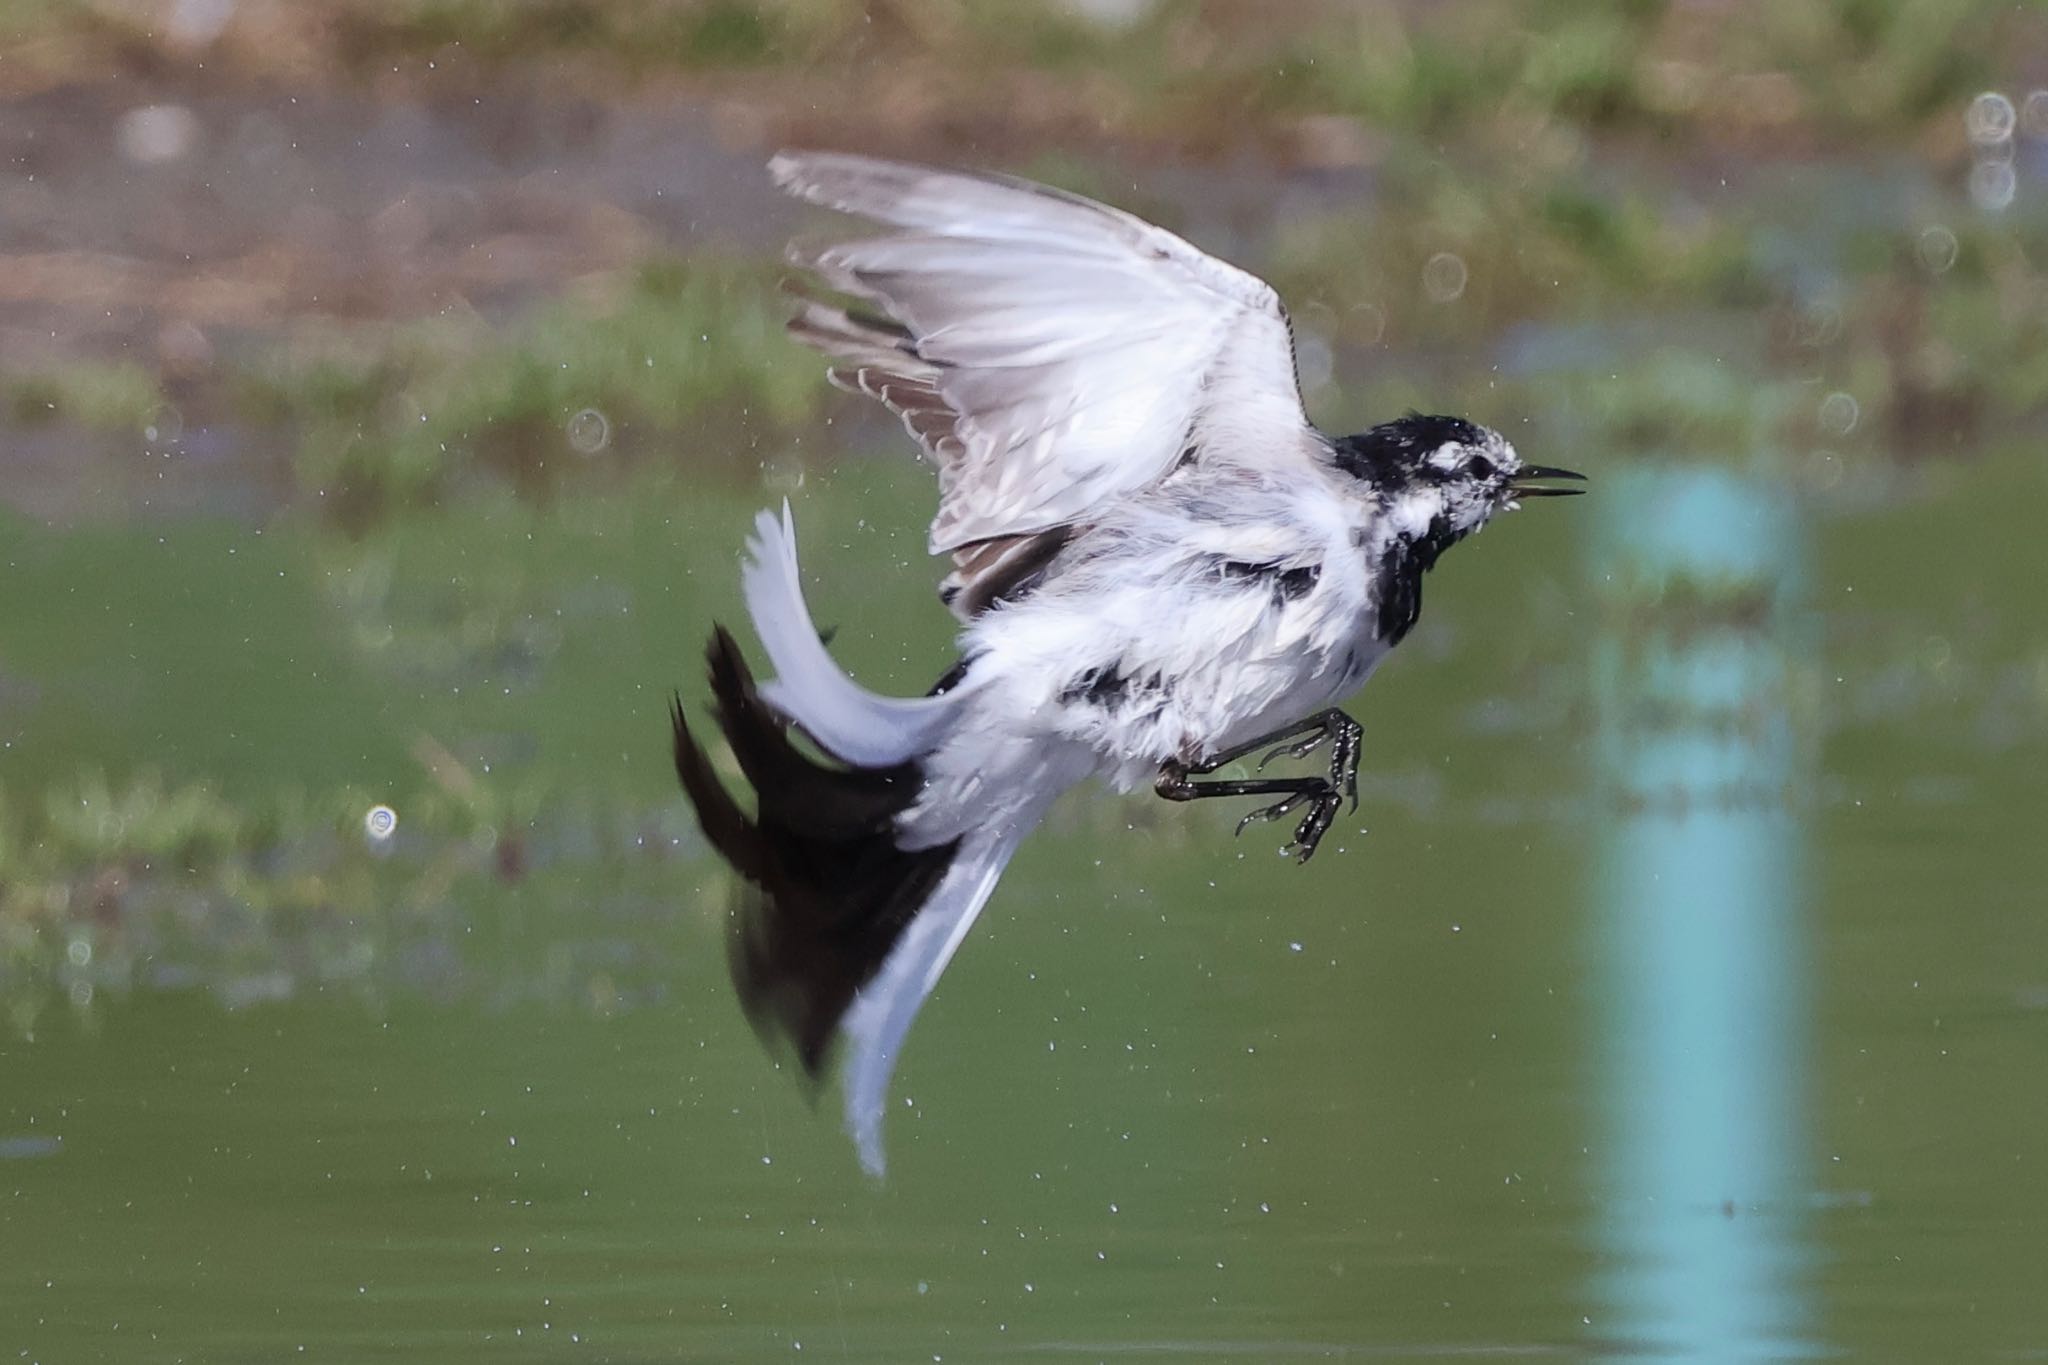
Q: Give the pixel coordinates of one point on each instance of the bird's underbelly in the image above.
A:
(1304, 698)
(1225, 701)
(1273, 694)
(1166, 670)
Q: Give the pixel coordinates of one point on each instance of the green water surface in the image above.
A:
(488, 1096)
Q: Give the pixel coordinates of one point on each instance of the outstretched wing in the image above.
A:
(1050, 353)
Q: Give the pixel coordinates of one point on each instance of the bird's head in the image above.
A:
(1440, 478)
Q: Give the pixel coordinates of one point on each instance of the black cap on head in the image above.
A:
(1397, 447)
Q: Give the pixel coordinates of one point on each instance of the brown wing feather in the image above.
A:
(1000, 569)
(882, 362)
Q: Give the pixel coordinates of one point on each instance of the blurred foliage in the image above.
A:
(398, 414)
(121, 396)
(1192, 73)
(638, 33)
(1529, 243)
(1823, 67)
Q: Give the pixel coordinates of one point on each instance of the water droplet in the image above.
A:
(182, 346)
(379, 824)
(1992, 185)
(2034, 114)
(782, 474)
(589, 432)
(1824, 469)
(195, 23)
(1839, 413)
(166, 424)
(1938, 249)
(1444, 276)
(1117, 15)
(1314, 361)
(1820, 322)
(81, 993)
(1990, 119)
(156, 133)
(80, 952)
(1369, 321)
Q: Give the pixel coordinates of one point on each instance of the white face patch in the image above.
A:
(1450, 457)
(1470, 491)
(1457, 457)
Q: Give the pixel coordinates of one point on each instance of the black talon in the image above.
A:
(1308, 835)
(1279, 809)
(1300, 749)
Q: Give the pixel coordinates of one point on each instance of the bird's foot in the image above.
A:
(1323, 803)
(1343, 735)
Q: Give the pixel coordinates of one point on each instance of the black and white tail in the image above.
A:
(837, 891)
(850, 929)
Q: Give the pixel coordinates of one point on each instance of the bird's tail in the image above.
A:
(820, 846)
(850, 930)
(851, 722)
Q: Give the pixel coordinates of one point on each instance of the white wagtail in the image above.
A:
(1160, 565)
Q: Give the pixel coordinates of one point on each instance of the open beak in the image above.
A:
(1522, 488)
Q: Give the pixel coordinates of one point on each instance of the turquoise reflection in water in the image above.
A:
(1703, 1037)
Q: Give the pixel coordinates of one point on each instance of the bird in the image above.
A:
(1159, 567)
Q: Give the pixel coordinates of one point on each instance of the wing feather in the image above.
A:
(1050, 353)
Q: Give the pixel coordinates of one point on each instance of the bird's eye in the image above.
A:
(1480, 468)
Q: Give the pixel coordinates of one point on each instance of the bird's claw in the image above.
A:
(1313, 827)
(1300, 748)
(1322, 813)
(1278, 810)
(1343, 738)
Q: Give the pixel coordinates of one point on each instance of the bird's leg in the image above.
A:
(1324, 723)
(1330, 727)
(1324, 795)
(1175, 785)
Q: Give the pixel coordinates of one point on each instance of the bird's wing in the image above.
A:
(1049, 352)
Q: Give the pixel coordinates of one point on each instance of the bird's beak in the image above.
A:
(1522, 488)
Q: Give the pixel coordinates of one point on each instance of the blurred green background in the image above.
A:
(386, 387)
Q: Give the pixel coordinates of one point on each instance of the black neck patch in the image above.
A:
(1398, 577)
(1392, 459)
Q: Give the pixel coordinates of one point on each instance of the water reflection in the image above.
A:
(1701, 921)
